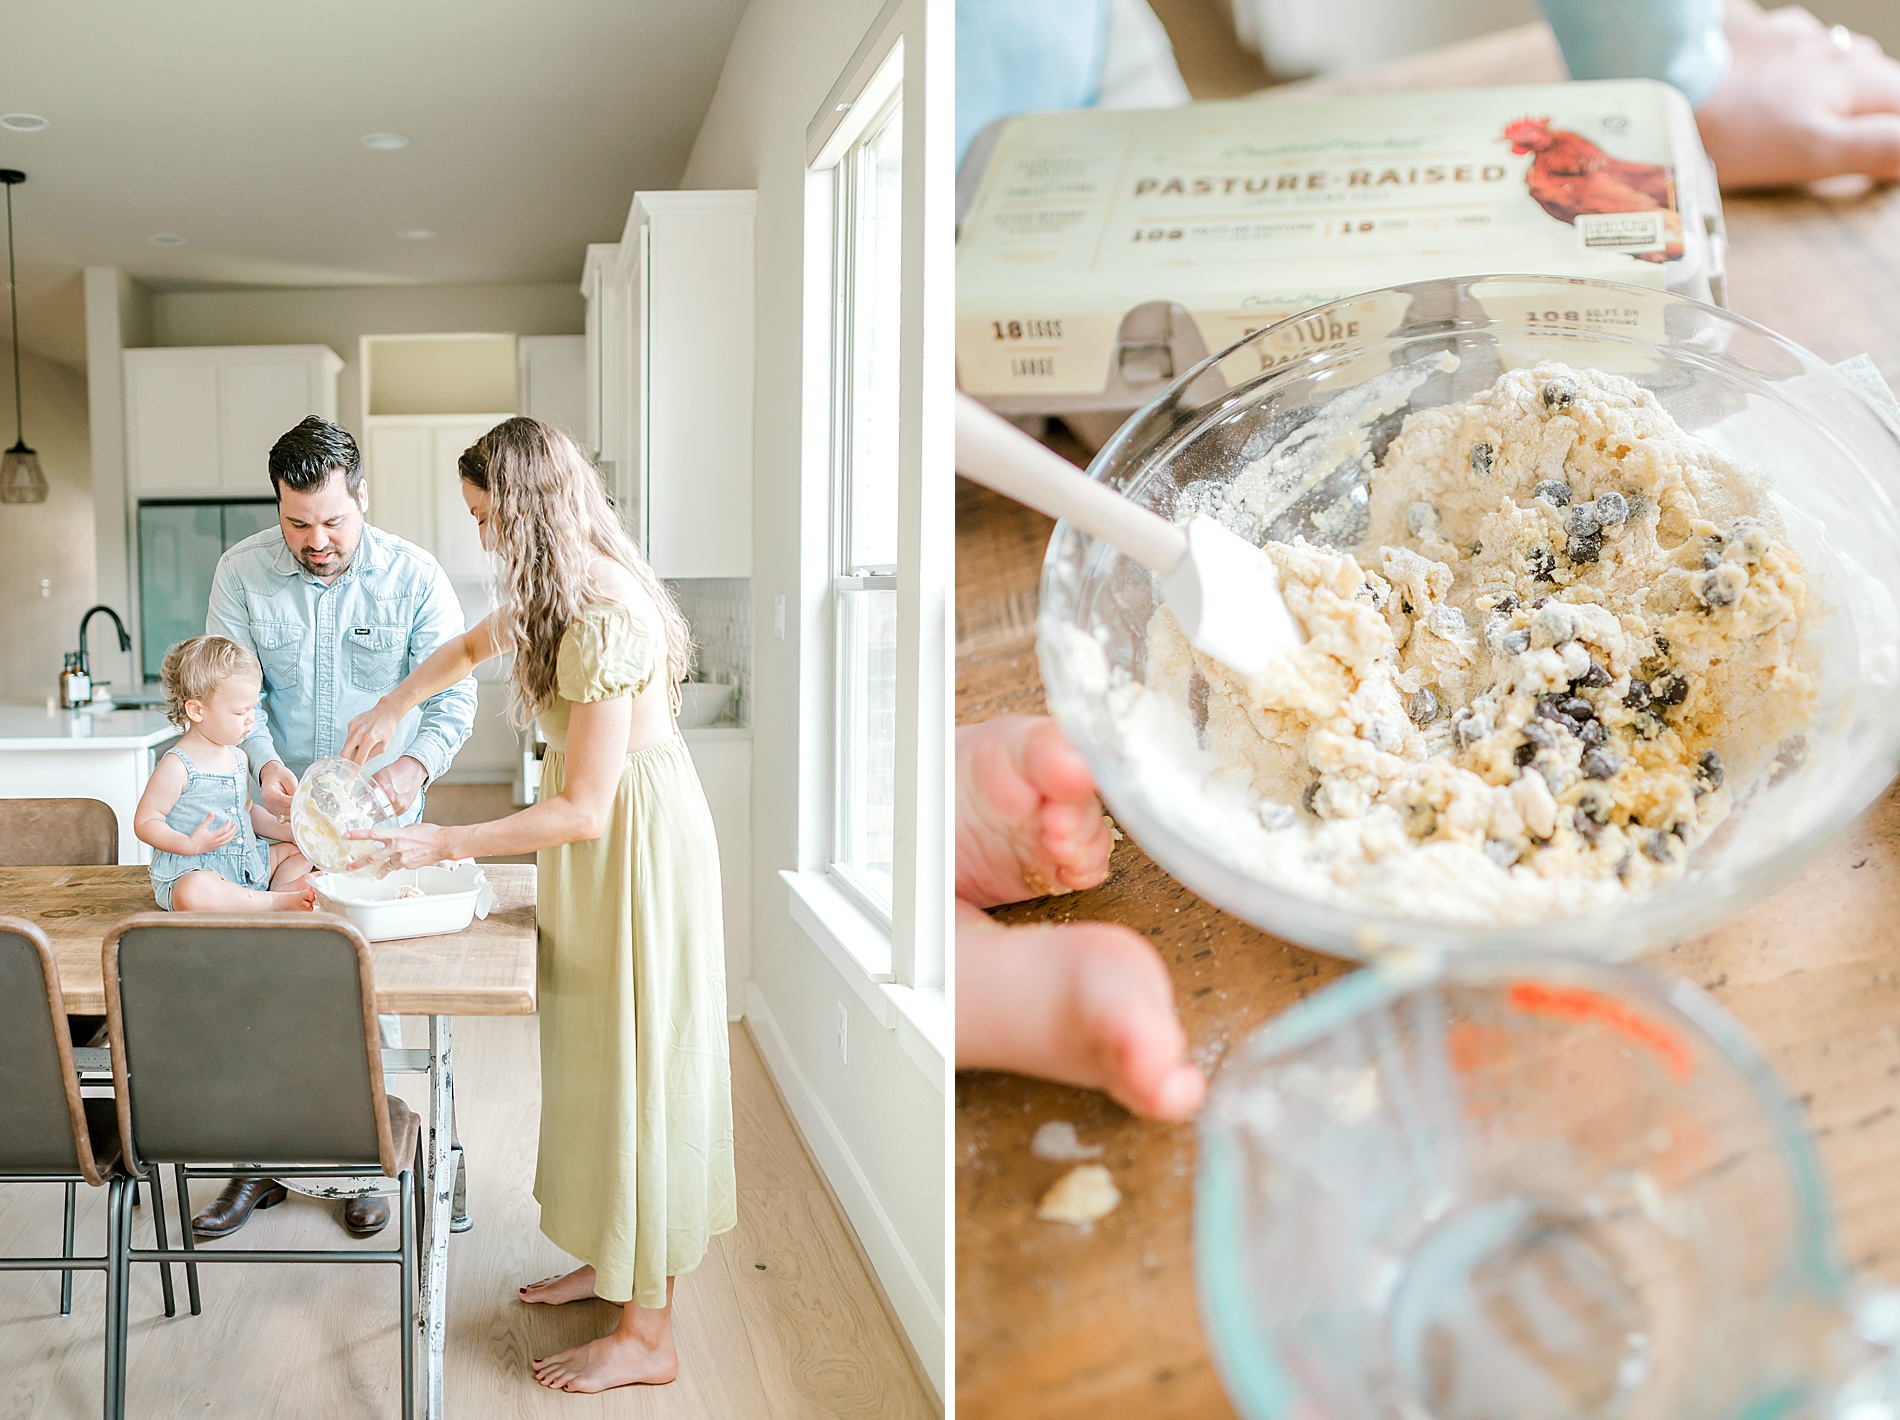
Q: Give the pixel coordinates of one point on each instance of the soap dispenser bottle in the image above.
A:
(75, 686)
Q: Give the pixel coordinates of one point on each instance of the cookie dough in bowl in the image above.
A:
(1601, 630)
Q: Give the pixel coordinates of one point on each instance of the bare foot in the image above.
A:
(1084, 1003)
(573, 1286)
(614, 1360)
(1028, 821)
(303, 899)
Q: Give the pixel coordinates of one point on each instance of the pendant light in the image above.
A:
(21, 480)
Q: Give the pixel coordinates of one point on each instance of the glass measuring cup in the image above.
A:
(1496, 1184)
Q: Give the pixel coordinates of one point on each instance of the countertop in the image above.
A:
(34, 727)
(1053, 1322)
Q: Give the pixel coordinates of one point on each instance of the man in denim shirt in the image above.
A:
(337, 612)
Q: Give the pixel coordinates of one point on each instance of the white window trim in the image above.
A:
(858, 946)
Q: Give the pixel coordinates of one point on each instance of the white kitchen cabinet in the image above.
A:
(200, 420)
(669, 377)
(553, 382)
(723, 761)
(414, 489)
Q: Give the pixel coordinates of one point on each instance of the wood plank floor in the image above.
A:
(780, 1321)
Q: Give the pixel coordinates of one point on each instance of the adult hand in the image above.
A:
(277, 785)
(369, 734)
(1802, 101)
(401, 781)
(205, 837)
(415, 845)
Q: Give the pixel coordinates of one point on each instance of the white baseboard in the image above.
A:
(918, 1312)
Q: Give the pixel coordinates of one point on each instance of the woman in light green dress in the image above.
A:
(635, 1173)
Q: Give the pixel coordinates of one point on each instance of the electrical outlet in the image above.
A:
(778, 615)
(46, 588)
(843, 1020)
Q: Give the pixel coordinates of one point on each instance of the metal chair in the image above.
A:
(243, 1046)
(50, 1134)
(57, 833)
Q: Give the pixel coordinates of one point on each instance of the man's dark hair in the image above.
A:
(306, 456)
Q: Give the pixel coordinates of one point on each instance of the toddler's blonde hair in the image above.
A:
(194, 669)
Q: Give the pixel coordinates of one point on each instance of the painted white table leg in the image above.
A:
(435, 1257)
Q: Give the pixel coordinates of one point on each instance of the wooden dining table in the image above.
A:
(1054, 1321)
(487, 969)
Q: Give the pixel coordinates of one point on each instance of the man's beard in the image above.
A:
(339, 564)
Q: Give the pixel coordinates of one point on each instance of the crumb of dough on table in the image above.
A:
(1057, 1140)
(1569, 634)
(1084, 1194)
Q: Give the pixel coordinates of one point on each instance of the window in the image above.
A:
(867, 228)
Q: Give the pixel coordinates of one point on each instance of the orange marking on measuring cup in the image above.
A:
(1577, 1004)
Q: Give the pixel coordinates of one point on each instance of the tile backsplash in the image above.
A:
(719, 609)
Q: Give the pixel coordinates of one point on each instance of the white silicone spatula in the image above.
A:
(1223, 590)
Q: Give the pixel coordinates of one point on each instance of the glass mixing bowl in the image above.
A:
(1831, 457)
(335, 796)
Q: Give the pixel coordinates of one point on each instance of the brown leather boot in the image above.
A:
(232, 1210)
(365, 1215)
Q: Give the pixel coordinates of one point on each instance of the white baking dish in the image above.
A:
(451, 896)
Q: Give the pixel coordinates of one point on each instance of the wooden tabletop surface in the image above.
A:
(485, 970)
(1055, 1322)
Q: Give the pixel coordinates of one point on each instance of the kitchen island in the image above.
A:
(108, 755)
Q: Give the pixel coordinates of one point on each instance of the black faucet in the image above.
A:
(125, 639)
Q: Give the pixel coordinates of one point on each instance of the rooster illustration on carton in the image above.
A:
(1571, 177)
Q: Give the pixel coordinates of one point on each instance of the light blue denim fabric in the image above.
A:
(1677, 41)
(330, 652)
(1018, 58)
(244, 860)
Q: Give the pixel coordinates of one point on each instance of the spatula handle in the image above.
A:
(995, 453)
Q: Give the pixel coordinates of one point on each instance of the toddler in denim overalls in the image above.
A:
(214, 849)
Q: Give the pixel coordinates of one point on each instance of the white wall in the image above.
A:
(51, 540)
(337, 315)
(877, 1124)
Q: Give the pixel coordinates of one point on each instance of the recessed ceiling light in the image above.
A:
(24, 122)
(416, 234)
(167, 239)
(385, 142)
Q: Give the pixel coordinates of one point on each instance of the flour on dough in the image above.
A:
(1082, 1195)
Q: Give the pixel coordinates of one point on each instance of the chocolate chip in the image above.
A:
(1558, 394)
(1656, 845)
(1599, 764)
(1681, 829)
(1524, 754)
(1542, 563)
(1553, 491)
(1595, 678)
(1582, 521)
(1308, 797)
(1637, 697)
(1585, 549)
(1476, 548)
(1709, 772)
(1593, 733)
(1501, 851)
(1612, 509)
(1539, 734)
(1724, 585)
(1422, 707)
(1577, 708)
(1483, 457)
(1711, 559)
(1586, 825)
(1669, 688)
(1506, 603)
(1594, 805)
(1516, 643)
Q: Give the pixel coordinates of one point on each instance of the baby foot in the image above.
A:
(568, 1287)
(1083, 1003)
(303, 899)
(614, 1360)
(1028, 821)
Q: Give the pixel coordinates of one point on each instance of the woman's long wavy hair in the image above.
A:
(549, 518)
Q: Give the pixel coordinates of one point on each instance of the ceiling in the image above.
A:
(237, 125)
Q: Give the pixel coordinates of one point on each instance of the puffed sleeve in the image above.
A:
(604, 655)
